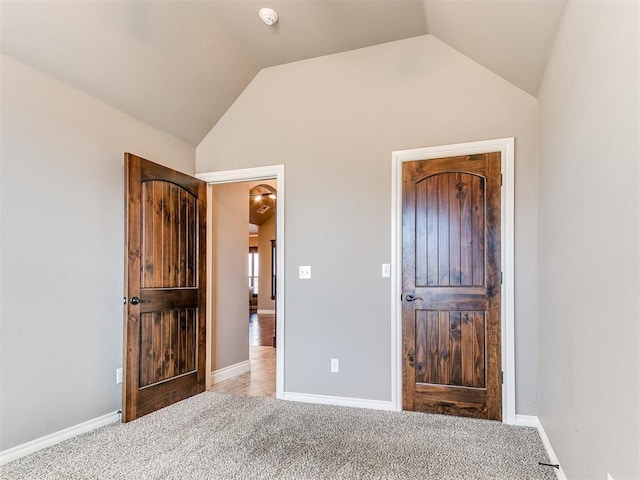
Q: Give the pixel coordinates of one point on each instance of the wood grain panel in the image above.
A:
(456, 199)
(479, 350)
(164, 204)
(449, 248)
(451, 265)
(183, 199)
(191, 233)
(168, 236)
(466, 231)
(431, 348)
(455, 339)
(449, 400)
(443, 229)
(444, 348)
(173, 218)
(148, 244)
(450, 348)
(478, 229)
(157, 233)
(421, 343)
(191, 330)
(171, 344)
(466, 348)
(421, 235)
(432, 229)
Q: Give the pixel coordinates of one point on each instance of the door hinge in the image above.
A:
(500, 179)
(501, 378)
(400, 297)
(501, 278)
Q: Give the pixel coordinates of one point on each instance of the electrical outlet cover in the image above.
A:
(335, 365)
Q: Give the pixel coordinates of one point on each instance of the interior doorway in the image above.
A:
(270, 280)
(452, 285)
(262, 207)
(506, 148)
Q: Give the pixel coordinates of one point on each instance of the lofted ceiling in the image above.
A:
(178, 65)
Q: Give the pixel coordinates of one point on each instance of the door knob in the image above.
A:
(410, 298)
(137, 300)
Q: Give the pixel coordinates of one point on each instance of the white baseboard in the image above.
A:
(266, 312)
(19, 451)
(231, 371)
(527, 421)
(533, 421)
(341, 401)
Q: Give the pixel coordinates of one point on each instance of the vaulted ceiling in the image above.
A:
(179, 65)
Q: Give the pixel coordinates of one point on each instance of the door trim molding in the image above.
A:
(506, 147)
(244, 175)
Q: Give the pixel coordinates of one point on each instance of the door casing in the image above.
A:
(506, 147)
(243, 175)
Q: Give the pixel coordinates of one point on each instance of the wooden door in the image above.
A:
(451, 286)
(164, 327)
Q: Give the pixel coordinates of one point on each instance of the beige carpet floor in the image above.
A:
(222, 436)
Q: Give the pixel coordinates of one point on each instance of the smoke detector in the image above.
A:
(268, 15)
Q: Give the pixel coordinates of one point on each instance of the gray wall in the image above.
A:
(588, 242)
(62, 244)
(230, 319)
(334, 121)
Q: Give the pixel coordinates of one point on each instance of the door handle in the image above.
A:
(410, 298)
(411, 359)
(137, 300)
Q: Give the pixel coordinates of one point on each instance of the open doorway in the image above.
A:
(261, 272)
(243, 271)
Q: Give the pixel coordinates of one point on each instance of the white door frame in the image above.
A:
(506, 147)
(244, 175)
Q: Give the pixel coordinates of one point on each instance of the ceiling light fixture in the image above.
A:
(268, 15)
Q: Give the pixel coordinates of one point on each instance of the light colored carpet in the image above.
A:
(222, 436)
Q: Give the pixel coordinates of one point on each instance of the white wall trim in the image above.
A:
(527, 421)
(262, 173)
(225, 373)
(266, 312)
(340, 401)
(506, 147)
(19, 451)
(241, 175)
(533, 421)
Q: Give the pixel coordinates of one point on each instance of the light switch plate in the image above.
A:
(304, 272)
(386, 270)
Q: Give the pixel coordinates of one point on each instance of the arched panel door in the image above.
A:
(451, 286)
(164, 328)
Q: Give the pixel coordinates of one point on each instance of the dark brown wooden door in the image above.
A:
(451, 286)
(164, 327)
